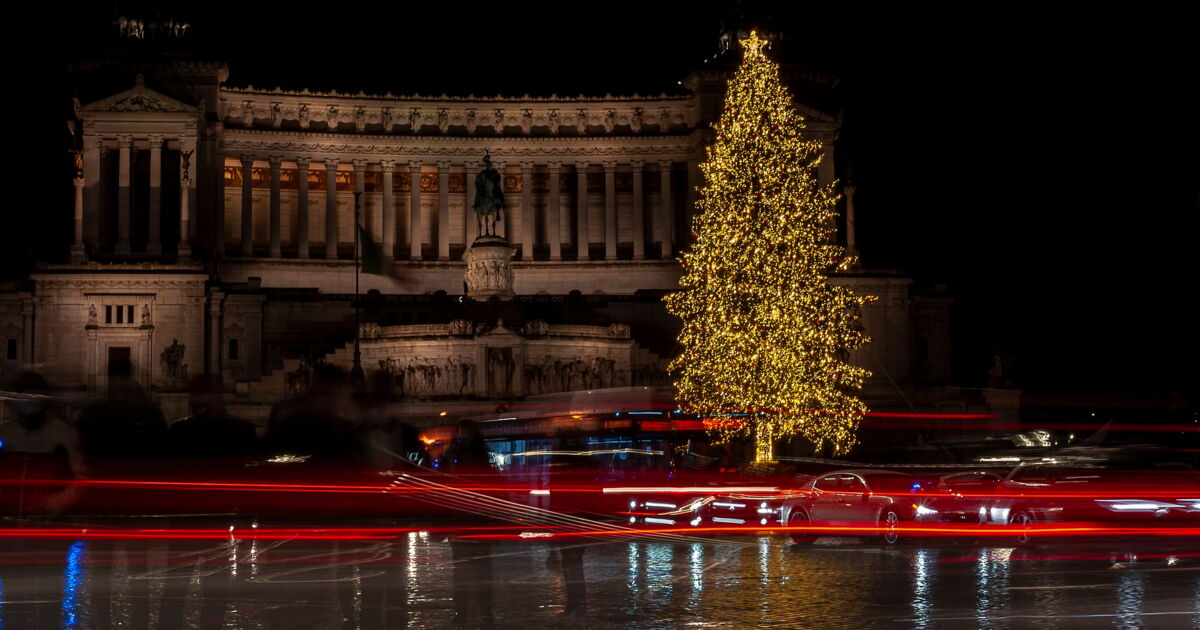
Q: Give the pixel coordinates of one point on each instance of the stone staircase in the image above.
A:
(273, 387)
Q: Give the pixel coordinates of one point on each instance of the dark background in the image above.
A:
(1043, 166)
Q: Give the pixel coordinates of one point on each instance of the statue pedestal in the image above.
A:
(489, 270)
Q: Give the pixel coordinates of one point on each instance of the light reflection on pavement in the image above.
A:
(427, 580)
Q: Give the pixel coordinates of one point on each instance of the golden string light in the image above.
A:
(764, 334)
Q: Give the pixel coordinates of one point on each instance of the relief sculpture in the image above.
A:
(424, 377)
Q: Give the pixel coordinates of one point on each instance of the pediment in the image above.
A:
(499, 330)
(139, 99)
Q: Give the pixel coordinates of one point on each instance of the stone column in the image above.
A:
(443, 220)
(154, 239)
(553, 230)
(124, 194)
(639, 211)
(215, 300)
(666, 210)
(610, 210)
(360, 186)
(389, 209)
(92, 159)
(414, 210)
(469, 217)
(27, 330)
(276, 220)
(528, 222)
(218, 207)
(581, 213)
(331, 209)
(184, 248)
(247, 207)
(78, 255)
(302, 207)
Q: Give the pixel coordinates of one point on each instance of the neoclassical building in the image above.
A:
(214, 231)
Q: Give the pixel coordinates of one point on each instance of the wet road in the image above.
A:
(424, 580)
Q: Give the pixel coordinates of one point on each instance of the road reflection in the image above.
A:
(438, 581)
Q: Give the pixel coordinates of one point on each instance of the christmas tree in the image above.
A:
(765, 336)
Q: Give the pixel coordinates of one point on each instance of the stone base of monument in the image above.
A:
(489, 268)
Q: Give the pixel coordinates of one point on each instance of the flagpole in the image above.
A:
(358, 379)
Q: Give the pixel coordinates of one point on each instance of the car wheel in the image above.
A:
(889, 525)
(1021, 521)
(797, 523)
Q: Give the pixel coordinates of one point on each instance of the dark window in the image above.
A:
(107, 313)
(129, 314)
(120, 315)
(233, 349)
(850, 483)
(12, 349)
(828, 484)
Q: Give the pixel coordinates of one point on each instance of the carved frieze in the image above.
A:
(489, 271)
(461, 328)
(239, 141)
(515, 116)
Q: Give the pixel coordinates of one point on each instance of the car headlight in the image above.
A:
(925, 511)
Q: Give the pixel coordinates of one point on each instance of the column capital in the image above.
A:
(247, 160)
(582, 165)
(303, 162)
(124, 141)
(526, 166)
(359, 164)
(331, 164)
(387, 166)
(665, 164)
(414, 166)
(92, 142)
(610, 166)
(554, 167)
(275, 161)
(443, 167)
(637, 165)
(155, 139)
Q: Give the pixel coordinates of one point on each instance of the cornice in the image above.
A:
(244, 141)
(250, 90)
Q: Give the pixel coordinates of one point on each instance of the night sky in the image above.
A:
(1042, 166)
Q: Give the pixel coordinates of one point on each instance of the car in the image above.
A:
(857, 500)
(1104, 492)
(959, 497)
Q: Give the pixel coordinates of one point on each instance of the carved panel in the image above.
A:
(458, 182)
(624, 182)
(595, 182)
(512, 183)
(373, 181)
(429, 182)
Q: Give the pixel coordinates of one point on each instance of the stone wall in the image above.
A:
(83, 319)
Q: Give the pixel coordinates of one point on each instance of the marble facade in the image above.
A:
(228, 214)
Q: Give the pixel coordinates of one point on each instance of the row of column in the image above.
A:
(583, 237)
(88, 177)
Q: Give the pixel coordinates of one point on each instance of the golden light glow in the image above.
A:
(763, 330)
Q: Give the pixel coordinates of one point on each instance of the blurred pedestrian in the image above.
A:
(39, 450)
